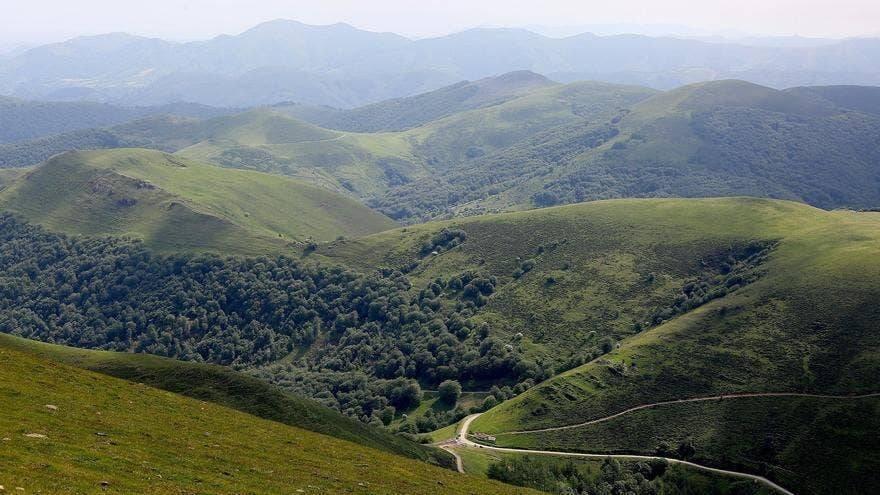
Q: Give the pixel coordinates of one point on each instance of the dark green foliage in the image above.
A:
(433, 420)
(443, 240)
(376, 339)
(686, 448)
(567, 477)
(449, 391)
(544, 199)
(724, 273)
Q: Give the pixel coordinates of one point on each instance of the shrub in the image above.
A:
(449, 391)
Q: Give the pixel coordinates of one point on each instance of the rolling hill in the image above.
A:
(538, 146)
(173, 203)
(367, 165)
(228, 388)
(735, 138)
(644, 301)
(724, 138)
(859, 98)
(405, 113)
(360, 164)
(67, 429)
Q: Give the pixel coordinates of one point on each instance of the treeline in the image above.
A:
(367, 340)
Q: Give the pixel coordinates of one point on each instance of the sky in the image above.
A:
(37, 21)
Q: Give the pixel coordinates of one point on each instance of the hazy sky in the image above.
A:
(44, 20)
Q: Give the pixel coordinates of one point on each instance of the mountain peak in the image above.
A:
(522, 76)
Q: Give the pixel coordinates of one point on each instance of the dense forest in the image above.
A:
(360, 343)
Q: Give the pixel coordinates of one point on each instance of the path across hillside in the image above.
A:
(462, 440)
(685, 401)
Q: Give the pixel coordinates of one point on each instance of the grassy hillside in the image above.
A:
(466, 136)
(164, 133)
(724, 138)
(370, 164)
(591, 270)
(460, 126)
(8, 176)
(731, 138)
(859, 98)
(268, 141)
(228, 388)
(106, 434)
(791, 439)
(405, 113)
(174, 203)
(514, 142)
(649, 275)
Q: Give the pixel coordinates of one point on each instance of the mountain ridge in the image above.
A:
(340, 64)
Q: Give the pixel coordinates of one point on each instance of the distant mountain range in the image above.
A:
(341, 66)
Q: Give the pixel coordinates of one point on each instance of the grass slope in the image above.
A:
(731, 138)
(368, 165)
(437, 131)
(806, 324)
(434, 133)
(269, 141)
(611, 263)
(227, 388)
(463, 137)
(174, 203)
(859, 98)
(793, 440)
(106, 434)
(405, 113)
(723, 138)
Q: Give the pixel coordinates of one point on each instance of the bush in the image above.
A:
(449, 391)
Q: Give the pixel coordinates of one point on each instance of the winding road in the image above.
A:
(461, 439)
